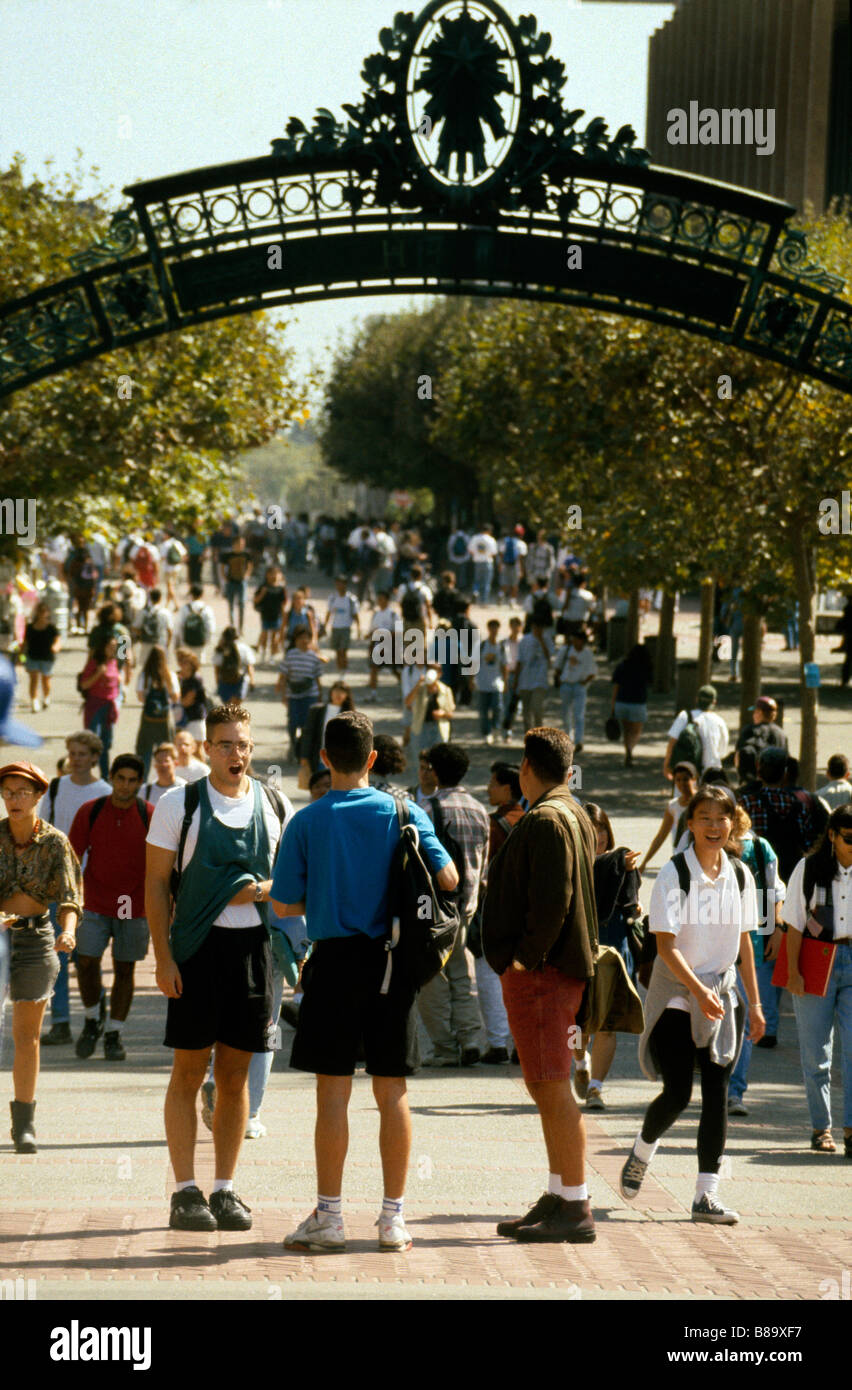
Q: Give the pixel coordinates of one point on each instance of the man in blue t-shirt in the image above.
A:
(334, 861)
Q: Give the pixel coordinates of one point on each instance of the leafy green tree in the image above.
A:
(145, 434)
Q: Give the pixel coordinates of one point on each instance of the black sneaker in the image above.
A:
(88, 1039)
(59, 1033)
(230, 1213)
(114, 1047)
(190, 1212)
(546, 1203)
(470, 1056)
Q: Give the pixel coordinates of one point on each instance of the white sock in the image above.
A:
(598, 1085)
(93, 1012)
(333, 1206)
(575, 1194)
(182, 1186)
(113, 1025)
(392, 1206)
(583, 1063)
(554, 1184)
(706, 1183)
(297, 998)
(644, 1151)
(223, 1185)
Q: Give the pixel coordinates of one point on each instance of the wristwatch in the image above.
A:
(258, 892)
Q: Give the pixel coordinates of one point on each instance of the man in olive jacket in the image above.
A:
(539, 932)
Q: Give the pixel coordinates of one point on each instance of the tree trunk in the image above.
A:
(803, 563)
(751, 659)
(705, 636)
(663, 656)
(633, 620)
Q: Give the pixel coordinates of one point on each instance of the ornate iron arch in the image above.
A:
(461, 171)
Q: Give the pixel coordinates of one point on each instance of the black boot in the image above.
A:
(23, 1128)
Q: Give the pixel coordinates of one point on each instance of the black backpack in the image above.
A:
(194, 631)
(157, 702)
(783, 833)
(413, 605)
(688, 747)
(149, 627)
(423, 920)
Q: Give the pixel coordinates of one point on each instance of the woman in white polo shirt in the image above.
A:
(693, 1014)
(819, 904)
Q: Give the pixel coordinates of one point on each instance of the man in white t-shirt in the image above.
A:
(483, 552)
(577, 669)
(164, 763)
(387, 551)
(154, 627)
(712, 730)
(188, 628)
(214, 963)
(343, 609)
(384, 625)
(59, 806)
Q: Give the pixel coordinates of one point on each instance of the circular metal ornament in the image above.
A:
(465, 92)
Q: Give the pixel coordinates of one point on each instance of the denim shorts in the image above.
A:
(34, 964)
(129, 936)
(43, 668)
(634, 714)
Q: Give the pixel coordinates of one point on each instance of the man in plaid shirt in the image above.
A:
(448, 1007)
(777, 811)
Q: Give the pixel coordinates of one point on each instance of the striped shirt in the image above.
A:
(299, 667)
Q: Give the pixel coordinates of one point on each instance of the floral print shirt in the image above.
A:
(48, 869)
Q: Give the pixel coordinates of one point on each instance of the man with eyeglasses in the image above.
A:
(213, 963)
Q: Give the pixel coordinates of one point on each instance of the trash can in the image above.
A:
(686, 694)
(616, 638)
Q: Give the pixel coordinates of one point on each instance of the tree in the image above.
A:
(145, 434)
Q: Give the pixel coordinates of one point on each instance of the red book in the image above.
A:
(815, 961)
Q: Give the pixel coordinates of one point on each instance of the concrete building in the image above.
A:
(791, 57)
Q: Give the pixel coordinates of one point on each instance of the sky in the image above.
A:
(146, 88)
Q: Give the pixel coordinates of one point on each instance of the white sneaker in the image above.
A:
(392, 1233)
(319, 1231)
(489, 739)
(36, 706)
(255, 1129)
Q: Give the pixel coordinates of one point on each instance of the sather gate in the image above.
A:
(460, 171)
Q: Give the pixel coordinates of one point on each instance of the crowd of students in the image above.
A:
(178, 844)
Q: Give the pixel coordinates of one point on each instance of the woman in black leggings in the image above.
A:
(703, 906)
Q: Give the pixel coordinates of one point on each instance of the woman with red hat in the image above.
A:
(37, 867)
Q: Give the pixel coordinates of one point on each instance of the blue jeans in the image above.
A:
(574, 699)
(235, 593)
(489, 711)
(261, 1062)
(816, 1019)
(770, 995)
(60, 1004)
(297, 713)
(101, 726)
(483, 573)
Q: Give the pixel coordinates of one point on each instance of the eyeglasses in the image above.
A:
(227, 747)
(15, 794)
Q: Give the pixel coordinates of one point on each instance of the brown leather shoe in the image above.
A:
(546, 1203)
(570, 1222)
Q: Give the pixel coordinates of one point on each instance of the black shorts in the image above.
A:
(343, 1011)
(227, 993)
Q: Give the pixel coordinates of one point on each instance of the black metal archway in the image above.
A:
(460, 172)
